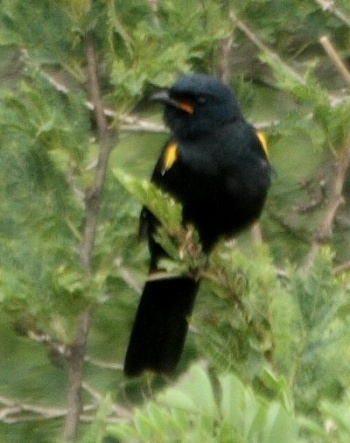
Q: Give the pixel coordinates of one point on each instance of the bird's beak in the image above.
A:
(164, 97)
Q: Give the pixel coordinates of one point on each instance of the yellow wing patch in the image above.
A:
(170, 156)
(263, 142)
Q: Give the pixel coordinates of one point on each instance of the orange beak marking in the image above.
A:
(186, 106)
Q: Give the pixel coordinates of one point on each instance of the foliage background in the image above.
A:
(271, 325)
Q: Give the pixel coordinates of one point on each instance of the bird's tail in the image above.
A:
(161, 325)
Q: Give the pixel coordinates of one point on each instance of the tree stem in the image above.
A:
(76, 371)
(93, 197)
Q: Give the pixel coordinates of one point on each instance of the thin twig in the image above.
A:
(118, 410)
(336, 199)
(334, 56)
(52, 344)
(153, 4)
(252, 36)
(340, 269)
(103, 365)
(225, 59)
(129, 123)
(256, 234)
(127, 275)
(329, 5)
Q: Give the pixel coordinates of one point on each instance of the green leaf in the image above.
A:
(176, 399)
(160, 203)
(280, 387)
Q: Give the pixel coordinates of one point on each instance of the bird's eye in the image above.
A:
(202, 100)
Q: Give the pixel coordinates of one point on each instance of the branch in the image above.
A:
(333, 55)
(93, 197)
(336, 199)
(15, 411)
(76, 372)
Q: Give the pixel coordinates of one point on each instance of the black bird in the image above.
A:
(216, 165)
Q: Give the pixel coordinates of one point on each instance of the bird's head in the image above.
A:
(196, 105)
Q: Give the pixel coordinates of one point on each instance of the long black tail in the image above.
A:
(161, 325)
